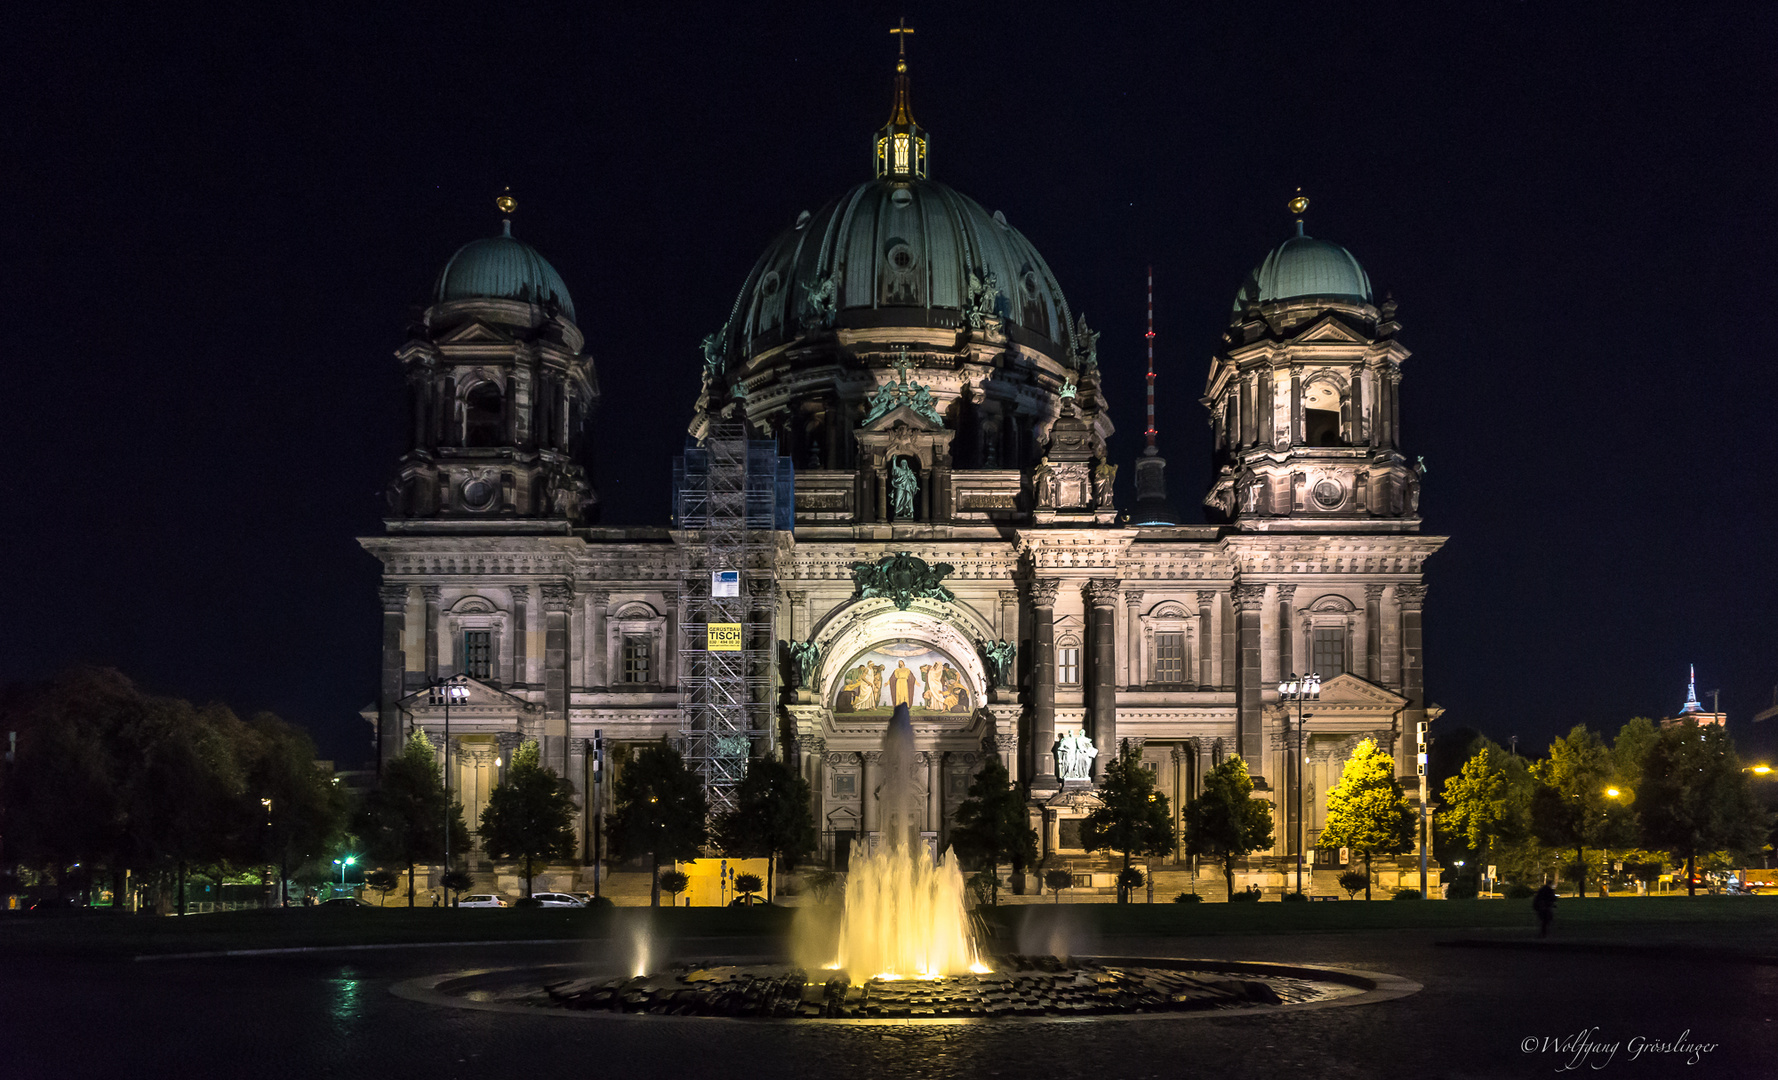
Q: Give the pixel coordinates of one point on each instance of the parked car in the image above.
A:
(345, 902)
(557, 899)
(481, 900)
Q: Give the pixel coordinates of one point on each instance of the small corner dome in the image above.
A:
(1305, 268)
(501, 268)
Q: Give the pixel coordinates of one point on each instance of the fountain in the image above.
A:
(904, 914)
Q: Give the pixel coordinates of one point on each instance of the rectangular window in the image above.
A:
(636, 665)
(1169, 658)
(901, 153)
(845, 785)
(1068, 666)
(1330, 651)
(478, 654)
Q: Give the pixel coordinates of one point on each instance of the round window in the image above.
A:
(901, 257)
(479, 494)
(769, 286)
(1329, 493)
(1029, 281)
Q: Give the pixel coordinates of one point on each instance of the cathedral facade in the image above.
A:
(944, 532)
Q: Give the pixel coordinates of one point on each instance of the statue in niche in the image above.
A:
(1000, 656)
(903, 484)
(820, 298)
(1104, 475)
(804, 656)
(1074, 756)
(1043, 484)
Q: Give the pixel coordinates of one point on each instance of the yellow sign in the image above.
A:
(724, 637)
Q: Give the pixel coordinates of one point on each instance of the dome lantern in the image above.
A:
(901, 143)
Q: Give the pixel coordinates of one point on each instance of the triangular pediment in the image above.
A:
(481, 698)
(904, 415)
(1349, 689)
(475, 332)
(1330, 328)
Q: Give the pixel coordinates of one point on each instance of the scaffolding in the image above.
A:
(730, 496)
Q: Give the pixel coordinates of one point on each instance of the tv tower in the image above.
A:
(1152, 507)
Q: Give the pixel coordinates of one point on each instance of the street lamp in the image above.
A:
(452, 691)
(348, 861)
(1297, 691)
(267, 803)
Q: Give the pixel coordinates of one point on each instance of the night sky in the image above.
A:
(216, 232)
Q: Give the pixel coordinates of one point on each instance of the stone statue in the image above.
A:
(804, 656)
(1074, 756)
(1104, 475)
(902, 577)
(1086, 344)
(1000, 656)
(983, 301)
(1043, 484)
(903, 484)
(714, 361)
(820, 303)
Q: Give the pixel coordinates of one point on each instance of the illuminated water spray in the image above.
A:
(904, 914)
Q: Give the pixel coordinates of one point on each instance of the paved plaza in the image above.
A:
(332, 1014)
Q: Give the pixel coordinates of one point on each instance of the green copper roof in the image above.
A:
(1303, 267)
(501, 268)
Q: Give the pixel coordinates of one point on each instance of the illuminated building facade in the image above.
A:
(953, 544)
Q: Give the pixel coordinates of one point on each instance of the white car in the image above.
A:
(557, 899)
(481, 900)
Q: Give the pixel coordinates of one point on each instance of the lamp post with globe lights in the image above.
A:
(452, 691)
(1295, 691)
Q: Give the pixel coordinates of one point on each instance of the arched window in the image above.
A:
(1321, 414)
(484, 416)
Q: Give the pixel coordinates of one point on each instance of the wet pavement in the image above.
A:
(1483, 1012)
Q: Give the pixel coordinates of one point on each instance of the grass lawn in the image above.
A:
(1745, 921)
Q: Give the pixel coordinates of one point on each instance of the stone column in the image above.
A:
(1360, 637)
(557, 600)
(1287, 661)
(1206, 641)
(1009, 623)
(1413, 675)
(1102, 602)
(929, 761)
(1389, 634)
(1373, 660)
(1357, 435)
(1181, 796)
(597, 648)
(394, 682)
(1043, 683)
(1133, 640)
(1395, 406)
(433, 594)
(1249, 690)
(670, 640)
(1296, 407)
(939, 797)
(1008, 747)
(882, 497)
(799, 613)
(870, 773)
(521, 635)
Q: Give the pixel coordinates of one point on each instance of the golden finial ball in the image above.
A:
(1299, 204)
(506, 202)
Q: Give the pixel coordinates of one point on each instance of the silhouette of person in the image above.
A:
(1544, 903)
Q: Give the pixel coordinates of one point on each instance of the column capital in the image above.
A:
(811, 744)
(870, 757)
(1206, 596)
(670, 596)
(394, 598)
(556, 596)
(1411, 597)
(843, 757)
(1043, 592)
(797, 596)
(1006, 743)
(599, 597)
(432, 593)
(521, 594)
(1286, 593)
(1009, 596)
(1249, 597)
(1374, 593)
(1102, 592)
(1132, 597)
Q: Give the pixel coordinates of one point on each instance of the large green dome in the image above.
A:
(899, 251)
(501, 268)
(1304, 268)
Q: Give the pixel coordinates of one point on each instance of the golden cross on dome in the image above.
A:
(903, 29)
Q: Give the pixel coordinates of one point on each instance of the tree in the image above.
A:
(1352, 881)
(1696, 798)
(1132, 817)
(771, 819)
(993, 825)
(530, 816)
(660, 810)
(384, 882)
(1571, 804)
(1057, 880)
(308, 810)
(747, 885)
(1487, 801)
(403, 820)
(1225, 823)
(674, 882)
(1367, 812)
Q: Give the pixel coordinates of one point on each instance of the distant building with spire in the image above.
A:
(1693, 709)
